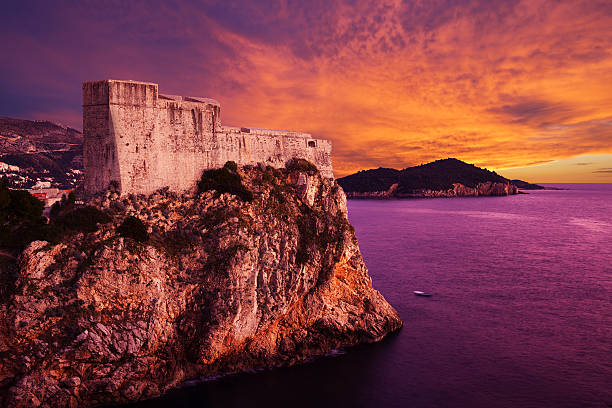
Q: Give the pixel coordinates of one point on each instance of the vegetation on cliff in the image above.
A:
(222, 284)
(22, 221)
(134, 228)
(224, 180)
(448, 177)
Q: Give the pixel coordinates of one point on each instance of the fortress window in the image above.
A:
(312, 143)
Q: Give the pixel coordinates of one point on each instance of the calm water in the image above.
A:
(521, 314)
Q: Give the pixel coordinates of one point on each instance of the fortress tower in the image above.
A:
(145, 141)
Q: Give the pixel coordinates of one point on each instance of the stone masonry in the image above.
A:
(142, 140)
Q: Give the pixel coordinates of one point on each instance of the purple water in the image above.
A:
(521, 313)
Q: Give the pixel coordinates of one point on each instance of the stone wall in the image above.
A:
(145, 141)
(272, 147)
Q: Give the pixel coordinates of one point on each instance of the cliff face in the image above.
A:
(222, 285)
(458, 190)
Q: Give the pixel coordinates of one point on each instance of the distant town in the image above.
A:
(41, 157)
(29, 178)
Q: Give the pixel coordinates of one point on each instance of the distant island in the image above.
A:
(441, 178)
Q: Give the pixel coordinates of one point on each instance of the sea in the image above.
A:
(520, 313)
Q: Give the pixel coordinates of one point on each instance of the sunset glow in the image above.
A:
(513, 86)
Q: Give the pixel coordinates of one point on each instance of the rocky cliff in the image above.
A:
(221, 285)
(457, 190)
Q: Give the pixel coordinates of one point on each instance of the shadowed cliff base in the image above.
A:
(217, 284)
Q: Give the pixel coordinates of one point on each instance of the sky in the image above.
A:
(520, 87)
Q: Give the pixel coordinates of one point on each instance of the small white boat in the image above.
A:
(419, 293)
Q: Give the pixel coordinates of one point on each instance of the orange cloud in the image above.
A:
(498, 86)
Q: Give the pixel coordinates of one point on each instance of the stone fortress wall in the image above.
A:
(145, 141)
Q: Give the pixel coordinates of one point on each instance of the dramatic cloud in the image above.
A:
(392, 83)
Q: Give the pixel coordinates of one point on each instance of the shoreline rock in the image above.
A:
(487, 189)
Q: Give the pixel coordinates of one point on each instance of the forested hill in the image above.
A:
(437, 175)
(441, 178)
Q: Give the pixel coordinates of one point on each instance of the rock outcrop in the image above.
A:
(457, 190)
(222, 285)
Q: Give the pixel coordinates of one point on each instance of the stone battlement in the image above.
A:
(269, 132)
(143, 140)
(197, 99)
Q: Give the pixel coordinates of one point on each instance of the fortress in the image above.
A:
(144, 141)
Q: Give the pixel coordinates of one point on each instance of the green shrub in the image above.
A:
(17, 206)
(308, 235)
(269, 178)
(134, 228)
(231, 165)
(16, 238)
(113, 185)
(64, 205)
(301, 165)
(279, 193)
(21, 220)
(83, 219)
(225, 180)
